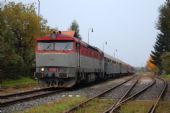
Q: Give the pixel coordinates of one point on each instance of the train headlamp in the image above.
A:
(42, 69)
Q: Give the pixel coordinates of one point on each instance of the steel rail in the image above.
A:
(130, 97)
(154, 105)
(124, 96)
(24, 93)
(102, 93)
(7, 103)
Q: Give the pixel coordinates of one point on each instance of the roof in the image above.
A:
(60, 35)
(69, 33)
(112, 58)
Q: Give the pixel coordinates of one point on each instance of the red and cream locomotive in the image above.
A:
(63, 60)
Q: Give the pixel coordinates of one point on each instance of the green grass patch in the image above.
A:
(167, 77)
(57, 106)
(21, 82)
(164, 107)
(96, 106)
(136, 107)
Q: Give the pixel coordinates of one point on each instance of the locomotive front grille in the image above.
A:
(62, 75)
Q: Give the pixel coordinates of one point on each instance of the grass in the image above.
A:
(21, 82)
(167, 77)
(57, 106)
(136, 107)
(164, 107)
(96, 106)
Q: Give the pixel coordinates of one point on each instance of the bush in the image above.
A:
(14, 67)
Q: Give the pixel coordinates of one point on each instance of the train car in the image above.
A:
(63, 61)
(112, 66)
(115, 67)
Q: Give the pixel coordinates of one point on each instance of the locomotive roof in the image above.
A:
(69, 36)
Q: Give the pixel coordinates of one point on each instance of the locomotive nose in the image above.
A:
(56, 60)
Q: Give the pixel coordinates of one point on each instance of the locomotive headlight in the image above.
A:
(42, 69)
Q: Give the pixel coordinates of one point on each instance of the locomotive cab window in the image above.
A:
(55, 46)
(45, 46)
(63, 45)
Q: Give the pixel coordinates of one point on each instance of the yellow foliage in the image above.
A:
(150, 65)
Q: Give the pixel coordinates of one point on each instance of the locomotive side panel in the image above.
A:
(90, 64)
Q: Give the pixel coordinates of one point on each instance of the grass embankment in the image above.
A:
(167, 77)
(143, 107)
(136, 107)
(21, 82)
(96, 106)
(56, 107)
(164, 107)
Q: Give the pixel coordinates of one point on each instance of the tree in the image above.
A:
(162, 44)
(166, 62)
(150, 66)
(19, 27)
(75, 27)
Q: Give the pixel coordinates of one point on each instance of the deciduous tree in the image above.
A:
(75, 27)
(151, 66)
(19, 27)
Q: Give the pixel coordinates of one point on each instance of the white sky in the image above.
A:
(127, 25)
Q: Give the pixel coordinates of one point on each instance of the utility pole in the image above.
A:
(88, 33)
(38, 7)
(105, 43)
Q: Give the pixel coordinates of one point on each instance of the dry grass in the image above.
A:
(57, 106)
(164, 107)
(96, 106)
(18, 85)
(166, 77)
(136, 107)
(21, 82)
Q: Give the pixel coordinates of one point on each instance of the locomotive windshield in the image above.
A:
(55, 45)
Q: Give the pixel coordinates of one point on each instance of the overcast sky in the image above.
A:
(128, 26)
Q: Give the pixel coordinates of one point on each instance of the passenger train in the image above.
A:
(63, 61)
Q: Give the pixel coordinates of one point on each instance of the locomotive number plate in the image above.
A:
(52, 69)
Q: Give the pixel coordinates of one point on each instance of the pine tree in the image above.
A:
(75, 27)
(162, 44)
(166, 62)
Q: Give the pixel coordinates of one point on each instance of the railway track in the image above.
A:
(156, 102)
(126, 97)
(6, 100)
(96, 96)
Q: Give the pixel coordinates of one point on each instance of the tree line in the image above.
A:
(19, 28)
(160, 56)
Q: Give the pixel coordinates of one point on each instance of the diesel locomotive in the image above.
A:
(63, 61)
